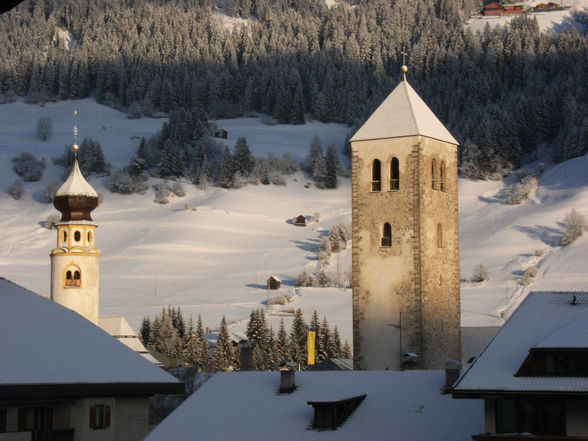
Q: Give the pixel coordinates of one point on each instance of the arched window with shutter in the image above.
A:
(72, 277)
(386, 240)
(376, 175)
(394, 174)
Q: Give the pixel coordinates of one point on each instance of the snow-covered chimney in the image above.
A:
(287, 380)
(452, 373)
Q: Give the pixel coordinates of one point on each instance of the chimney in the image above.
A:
(246, 356)
(452, 373)
(287, 382)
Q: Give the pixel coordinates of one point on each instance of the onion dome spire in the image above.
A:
(75, 199)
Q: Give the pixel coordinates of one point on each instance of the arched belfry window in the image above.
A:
(439, 236)
(64, 236)
(77, 236)
(434, 174)
(376, 175)
(73, 277)
(394, 174)
(386, 240)
(442, 176)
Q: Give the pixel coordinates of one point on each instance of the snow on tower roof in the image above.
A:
(403, 113)
(76, 184)
(45, 344)
(544, 320)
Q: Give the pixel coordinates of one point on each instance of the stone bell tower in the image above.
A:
(75, 262)
(406, 292)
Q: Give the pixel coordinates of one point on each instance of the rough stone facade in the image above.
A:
(406, 297)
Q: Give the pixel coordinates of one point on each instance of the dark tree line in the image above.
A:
(169, 334)
(502, 92)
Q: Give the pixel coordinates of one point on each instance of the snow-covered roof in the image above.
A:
(44, 343)
(400, 406)
(543, 320)
(403, 113)
(276, 278)
(116, 325)
(76, 184)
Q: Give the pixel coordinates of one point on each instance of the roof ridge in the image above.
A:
(411, 105)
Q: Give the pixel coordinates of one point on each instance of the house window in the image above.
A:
(73, 277)
(434, 174)
(99, 416)
(394, 174)
(439, 236)
(535, 416)
(376, 175)
(77, 236)
(386, 240)
(442, 176)
(35, 418)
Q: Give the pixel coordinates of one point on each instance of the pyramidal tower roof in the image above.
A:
(76, 184)
(403, 113)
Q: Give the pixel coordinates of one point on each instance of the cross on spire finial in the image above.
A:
(404, 68)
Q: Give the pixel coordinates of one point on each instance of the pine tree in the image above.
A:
(223, 358)
(298, 339)
(282, 350)
(324, 340)
(201, 358)
(137, 166)
(336, 348)
(315, 151)
(333, 164)
(346, 352)
(243, 161)
(320, 173)
(145, 332)
(172, 163)
(297, 116)
(167, 341)
(190, 349)
(226, 173)
(315, 325)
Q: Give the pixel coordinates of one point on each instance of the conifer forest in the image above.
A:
(509, 95)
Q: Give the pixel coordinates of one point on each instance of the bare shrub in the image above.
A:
(51, 220)
(16, 190)
(124, 183)
(178, 189)
(162, 193)
(539, 253)
(521, 190)
(529, 275)
(28, 167)
(574, 226)
(480, 274)
(304, 279)
(281, 300)
(50, 191)
(44, 128)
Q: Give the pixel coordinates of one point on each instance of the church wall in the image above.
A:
(383, 278)
(440, 286)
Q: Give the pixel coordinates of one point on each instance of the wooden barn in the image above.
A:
(222, 133)
(544, 7)
(495, 9)
(274, 282)
(300, 221)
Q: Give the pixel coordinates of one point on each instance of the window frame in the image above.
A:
(100, 416)
(376, 185)
(394, 174)
(386, 237)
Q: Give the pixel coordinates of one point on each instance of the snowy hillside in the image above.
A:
(211, 251)
(548, 21)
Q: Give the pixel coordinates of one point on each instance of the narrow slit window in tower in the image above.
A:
(64, 236)
(77, 236)
(394, 174)
(386, 240)
(442, 176)
(89, 237)
(376, 175)
(439, 236)
(434, 174)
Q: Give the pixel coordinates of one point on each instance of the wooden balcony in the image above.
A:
(519, 437)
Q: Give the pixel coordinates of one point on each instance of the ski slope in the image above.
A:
(211, 251)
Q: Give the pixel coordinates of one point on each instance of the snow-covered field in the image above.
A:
(548, 21)
(211, 251)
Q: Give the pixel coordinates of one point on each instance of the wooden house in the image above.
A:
(274, 282)
(221, 133)
(300, 221)
(493, 9)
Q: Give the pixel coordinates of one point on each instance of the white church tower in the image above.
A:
(75, 262)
